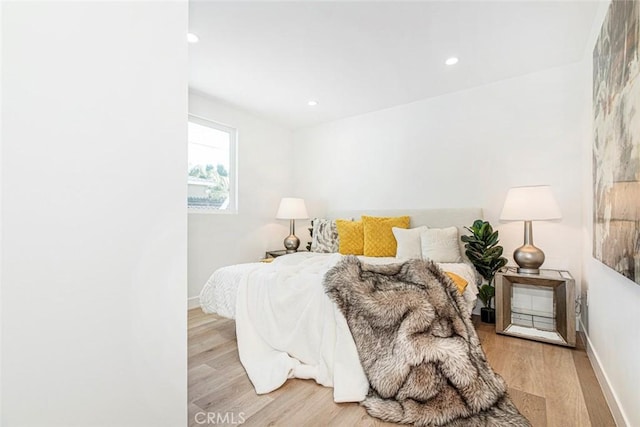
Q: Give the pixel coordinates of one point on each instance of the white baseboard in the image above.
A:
(193, 302)
(609, 394)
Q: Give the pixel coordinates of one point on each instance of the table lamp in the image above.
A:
(534, 203)
(292, 208)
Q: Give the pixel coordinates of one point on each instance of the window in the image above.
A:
(212, 166)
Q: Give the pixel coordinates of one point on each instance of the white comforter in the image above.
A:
(287, 327)
(220, 292)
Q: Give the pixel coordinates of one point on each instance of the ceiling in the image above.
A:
(271, 58)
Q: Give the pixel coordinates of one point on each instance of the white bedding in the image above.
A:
(219, 293)
(287, 327)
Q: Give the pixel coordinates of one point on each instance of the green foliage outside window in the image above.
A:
(218, 177)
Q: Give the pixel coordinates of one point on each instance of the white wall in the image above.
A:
(265, 176)
(461, 150)
(613, 325)
(94, 218)
(612, 318)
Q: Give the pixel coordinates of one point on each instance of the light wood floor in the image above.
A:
(551, 385)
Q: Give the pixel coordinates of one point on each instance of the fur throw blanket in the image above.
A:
(419, 350)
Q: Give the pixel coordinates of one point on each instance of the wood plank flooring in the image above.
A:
(551, 385)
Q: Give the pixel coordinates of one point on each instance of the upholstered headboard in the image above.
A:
(434, 218)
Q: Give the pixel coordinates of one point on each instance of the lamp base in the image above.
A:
(529, 259)
(528, 270)
(291, 243)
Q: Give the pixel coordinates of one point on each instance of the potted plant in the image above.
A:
(486, 293)
(485, 254)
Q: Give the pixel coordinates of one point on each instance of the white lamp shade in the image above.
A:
(292, 208)
(530, 204)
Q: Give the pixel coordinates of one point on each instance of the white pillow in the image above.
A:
(440, 244)
(408, 240)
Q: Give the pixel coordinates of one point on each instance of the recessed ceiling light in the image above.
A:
(192, 38)
(451, 61)
(312, 103)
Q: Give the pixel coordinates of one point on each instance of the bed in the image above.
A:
(286, 325)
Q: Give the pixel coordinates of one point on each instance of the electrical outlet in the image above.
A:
(586, 292)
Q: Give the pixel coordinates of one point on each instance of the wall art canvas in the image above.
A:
(616, 149)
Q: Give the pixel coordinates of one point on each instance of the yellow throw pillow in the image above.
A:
(459, 281)
(350, 237)
(378, 234)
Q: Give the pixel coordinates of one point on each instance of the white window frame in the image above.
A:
(233, 167)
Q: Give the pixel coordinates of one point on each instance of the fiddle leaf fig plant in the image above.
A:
(485, 254)
(486, 294)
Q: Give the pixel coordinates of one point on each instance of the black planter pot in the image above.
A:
(488, 315)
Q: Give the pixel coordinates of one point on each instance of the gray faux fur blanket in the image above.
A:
(417, 346)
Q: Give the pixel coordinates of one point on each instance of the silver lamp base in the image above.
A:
(291, 243)
(528, 257)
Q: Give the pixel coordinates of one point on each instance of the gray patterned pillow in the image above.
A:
(325, 236)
